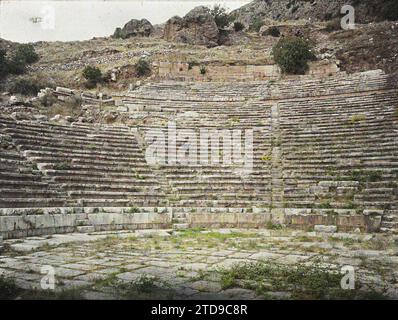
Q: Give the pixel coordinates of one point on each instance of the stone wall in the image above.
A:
(20, 223)
(183, 71)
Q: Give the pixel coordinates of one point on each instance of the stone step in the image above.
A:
(180, 226)
(85, 229)
(82, 222)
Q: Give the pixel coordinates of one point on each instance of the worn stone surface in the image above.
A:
(189, 266)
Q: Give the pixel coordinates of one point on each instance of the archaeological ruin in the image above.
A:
(198, 174)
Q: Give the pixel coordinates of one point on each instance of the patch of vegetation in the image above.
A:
(333, 25)
(256, 25)
(274, 32)
(118, 34)
(273, 226)
(48, 100)
(314, 281)
(366, 176)
(62, 166)
(203, 70)
(357, 118)
(93, 75)
(8, 289)
(142, 67)
(266, 158)
(133, 210)
(220, 16)
(390, 10)
(238, 26)
(292, 54)
(325, 205)
(17, 60)
(3, 64)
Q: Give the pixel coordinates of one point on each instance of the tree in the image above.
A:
(238, 26)
(220, 16)
(27, 52)
(3, 64)
(142, 67)
(292, 55)
(93, 75)
(274, 32)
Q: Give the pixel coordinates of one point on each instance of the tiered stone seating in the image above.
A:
(101, 166)
(324, 153)
(210, 185)
(304, 86)
(341, 152)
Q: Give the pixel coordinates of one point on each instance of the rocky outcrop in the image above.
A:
(365, 10)
(135, 28)
(197, 27)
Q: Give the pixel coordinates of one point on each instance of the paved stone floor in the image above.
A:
(200, 264)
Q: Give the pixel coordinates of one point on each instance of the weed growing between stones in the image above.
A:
(302, 281)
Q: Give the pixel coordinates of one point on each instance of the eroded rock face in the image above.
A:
(135, 28)
(197, 27)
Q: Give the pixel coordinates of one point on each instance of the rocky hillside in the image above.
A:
(366, 10)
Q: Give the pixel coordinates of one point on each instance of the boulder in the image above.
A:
(197, 27)
(135, 28)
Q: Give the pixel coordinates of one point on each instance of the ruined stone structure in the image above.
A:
(325, 153)
(185, 72)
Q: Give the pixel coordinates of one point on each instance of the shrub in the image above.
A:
(142, 67)
(256, 25)
(292, 55)
(48, 100)
(220, 16)
(27, 52)
(3, 64)
(390, 11)
(93, 76)
(118, 34)
(238, 26)
(274, 32)
(333, 25)
(203, 70)
(26, 86)
(16, 65)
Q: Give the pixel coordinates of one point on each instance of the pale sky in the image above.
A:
(80, 20)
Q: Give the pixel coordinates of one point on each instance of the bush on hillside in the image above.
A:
(27, 52)
(333, 25)
(26, 86)
(238, 26)
(220, 16)
(93, 75)
(142, 67)
(3, 64)
(292, 55)
(390, 11)
(274, 32)
(256, 25)
(23, 55)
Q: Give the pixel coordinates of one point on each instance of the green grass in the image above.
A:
(301, 281)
